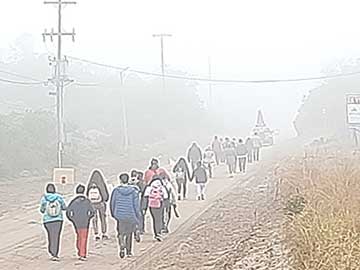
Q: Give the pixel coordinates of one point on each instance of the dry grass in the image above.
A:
(326, 234)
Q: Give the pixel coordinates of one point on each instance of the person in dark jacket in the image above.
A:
(201, 178)
(125, 209)
(80, 211)
(217, 148)
(241, 154)
(51, 207)
(98, 194)
(194, 155)
(250, 147)
(182, 175)
(230, 156)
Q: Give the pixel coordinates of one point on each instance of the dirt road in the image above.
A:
(215, 234)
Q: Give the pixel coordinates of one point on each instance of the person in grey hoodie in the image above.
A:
(51, 207)
(201, 178)
(80, 211)
(194, 155)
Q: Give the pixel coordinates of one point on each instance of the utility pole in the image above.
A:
(59, 78)
(210, 86)
(161, 36)
(124, 114)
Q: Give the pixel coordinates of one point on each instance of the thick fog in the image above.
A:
(245, 40)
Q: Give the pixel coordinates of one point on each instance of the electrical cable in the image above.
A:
(180, 77)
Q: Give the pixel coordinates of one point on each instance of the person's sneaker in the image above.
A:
(129, 254)
(55, 259)
(122, 253)
(166, 230)
(179, 198)
(202, 197)
(198, 198)
(83, 259)
(158, 238)
(137, 237)
(105, 237)
(97, 238)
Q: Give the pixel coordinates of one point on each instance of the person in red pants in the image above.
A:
(80, 211)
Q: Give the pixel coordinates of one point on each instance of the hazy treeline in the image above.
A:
(93, 112)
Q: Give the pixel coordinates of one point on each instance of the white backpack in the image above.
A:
(53, 209)
(94, 195)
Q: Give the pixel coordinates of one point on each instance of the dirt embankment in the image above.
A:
(241, 230)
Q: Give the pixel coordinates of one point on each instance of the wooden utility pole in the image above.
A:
(59, 78)
(161, 36)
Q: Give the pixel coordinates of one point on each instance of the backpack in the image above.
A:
(155, 197)
(94, 195)
(53, 209)
(180, 175)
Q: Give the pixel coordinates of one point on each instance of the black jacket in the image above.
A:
(194, 153)
(80, 212)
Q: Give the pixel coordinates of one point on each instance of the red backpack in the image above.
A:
(155, 197)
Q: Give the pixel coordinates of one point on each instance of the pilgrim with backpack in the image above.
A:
(51, 206)
(156, 193)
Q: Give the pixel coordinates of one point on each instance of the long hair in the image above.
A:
(97, 178)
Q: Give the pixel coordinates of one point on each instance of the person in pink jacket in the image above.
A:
(153, 170)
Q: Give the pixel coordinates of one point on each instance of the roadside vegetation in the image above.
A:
(320, 194)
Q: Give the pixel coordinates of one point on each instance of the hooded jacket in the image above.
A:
(194, 153)
(98, 179)
(182, 164)
(200, 175)
(51, 197)
(80, 212)
(125, 203)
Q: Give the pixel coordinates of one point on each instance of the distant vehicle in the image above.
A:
(266, 135)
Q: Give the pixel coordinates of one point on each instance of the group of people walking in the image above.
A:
(137, 194)
(236, 153)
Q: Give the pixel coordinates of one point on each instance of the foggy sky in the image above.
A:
(245, 39)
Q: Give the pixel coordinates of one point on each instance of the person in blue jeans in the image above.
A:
(52, 206)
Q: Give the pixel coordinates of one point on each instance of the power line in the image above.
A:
(21, 82)
(20, 76)
(201, 79)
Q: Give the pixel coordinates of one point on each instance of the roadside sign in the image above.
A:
(64, 176)
(353, 109)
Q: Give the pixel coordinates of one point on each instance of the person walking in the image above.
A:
(230, 156)
(257, 145)
(51, 207)
(98, 194)
(241, 153)
(216, 147)
(209, 156)
(154, 169)
(182, 175)
(140, 186)
(169, 202)
(201, 179)
(156, 193)
(250, 149)
(125, 209)
(80, 211)
(194, 155)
